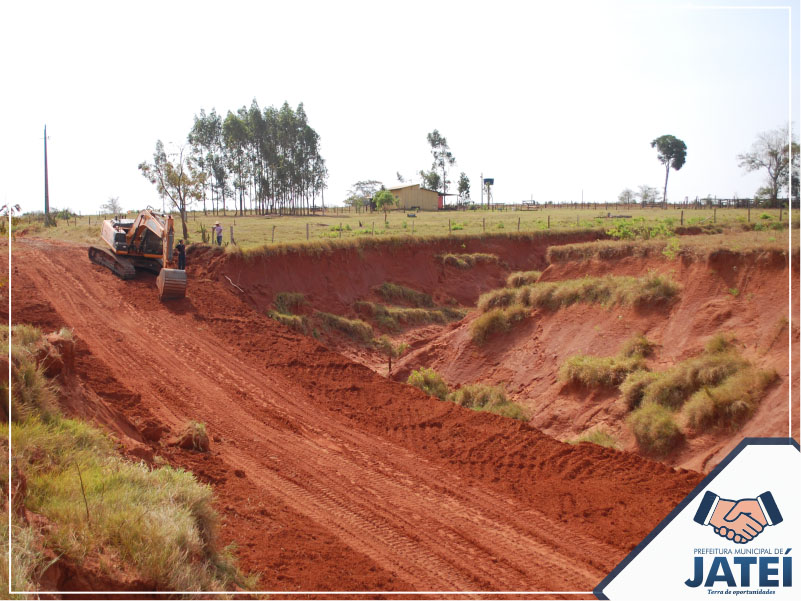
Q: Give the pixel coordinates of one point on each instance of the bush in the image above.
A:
(294, 322)
(496, 321)
(655, 429)
(429, 381)
(637, 346)
(522, 278)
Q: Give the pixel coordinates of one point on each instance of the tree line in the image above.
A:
(258, 160)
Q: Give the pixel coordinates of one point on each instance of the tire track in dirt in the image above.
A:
(375, 488)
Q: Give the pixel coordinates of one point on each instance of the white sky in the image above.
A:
(549, 98)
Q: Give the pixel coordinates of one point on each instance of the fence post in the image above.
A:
(340, 229)
(577, 220)
(449, 226)
(549, 222)
(780, 214)
(715, 215)
(412, 228)
(682, 217)
(749, 214)
(307, 231)
(273, 238)
(232, 236)
(373, 232)
(518, 224)
(483, 224)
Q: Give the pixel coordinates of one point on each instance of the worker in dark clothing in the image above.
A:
(180, 248)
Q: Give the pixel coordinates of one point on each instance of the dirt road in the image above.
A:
(328, 476)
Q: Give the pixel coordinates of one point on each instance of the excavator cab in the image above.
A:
(145, 242)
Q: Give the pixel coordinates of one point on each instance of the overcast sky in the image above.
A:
(552, 99)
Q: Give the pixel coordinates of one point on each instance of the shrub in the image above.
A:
(429, 381)
(655, 429)
(522, 278)
(729, 404)
(599, 436)
(355, 328)
(496, 321)
(397, 293)
(295, 322)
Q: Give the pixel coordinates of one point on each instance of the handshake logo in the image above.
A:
(740, 521)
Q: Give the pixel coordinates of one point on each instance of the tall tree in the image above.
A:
(176, 178)
(384, 200)
(463, 187)
(443, 157)
(647, 194)
(431, 180)
(626, 196)
(771, 152)
(112, 206)
(671, 152)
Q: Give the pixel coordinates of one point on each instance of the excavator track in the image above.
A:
(171, 283)
(122, 267)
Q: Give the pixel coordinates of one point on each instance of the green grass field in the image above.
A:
(254, 230)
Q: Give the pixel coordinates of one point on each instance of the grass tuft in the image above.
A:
(592, 372)
(289, 302)
(395, 293)
(599, 436)
(492, 399)
(355, 328)
(467, 260)
(655, 429)
(429, 381)
(522, 278)
(391, 318)
(496, 321)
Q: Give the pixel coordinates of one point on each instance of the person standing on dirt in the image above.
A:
(181, 249)
(218, 233)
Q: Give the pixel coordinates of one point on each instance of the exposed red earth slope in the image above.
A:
(745, 295)
(327, 475)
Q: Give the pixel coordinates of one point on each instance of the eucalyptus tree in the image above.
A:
(463, 187)
(443, 157)
(671, 152)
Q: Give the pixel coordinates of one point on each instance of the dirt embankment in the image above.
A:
(744, 295)
(318, 462)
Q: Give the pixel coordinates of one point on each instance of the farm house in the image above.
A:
(412, 195)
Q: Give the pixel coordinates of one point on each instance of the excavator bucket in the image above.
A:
(171, 283)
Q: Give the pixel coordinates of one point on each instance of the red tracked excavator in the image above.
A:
(141, 243)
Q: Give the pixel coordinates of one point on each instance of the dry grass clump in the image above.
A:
(496, 321)
(655, 429)
(591, 371)
(729, 404)
(294, 322)
(391, 318)
(522, 278)
(397, 293)
(608, 290)
(599, 436)
(159, 522)
(355, 328)
(499, 298)
(289, 302)
(467, 260)
(492, 399)
(429, 381)
(633, 387)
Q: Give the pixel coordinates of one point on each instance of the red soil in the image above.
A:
(527, 360)
(327, 475)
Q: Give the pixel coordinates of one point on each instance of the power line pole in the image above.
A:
(47, 190)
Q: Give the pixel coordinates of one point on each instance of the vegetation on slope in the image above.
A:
(159, 523)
